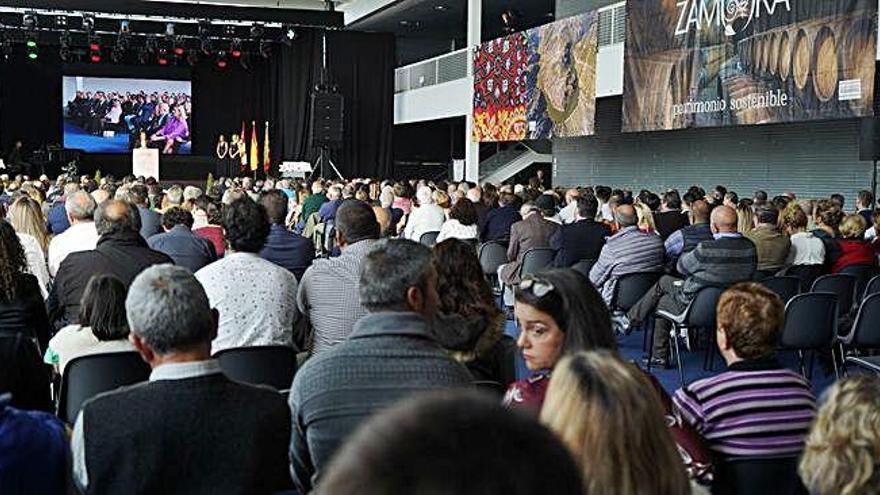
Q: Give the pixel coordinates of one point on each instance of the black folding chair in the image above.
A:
(785, 287)
(535, 260)
(863, 274)
(629, 290)
(429, 238)
(871, 364)
(494, 388)
(273, 366)
(865, 331)
(584, 267)
(807, 274)
(841, 285)
(87, 376)
(751, 475)
(492, 254)
(873, 286)
(699, 315)
(810, 325)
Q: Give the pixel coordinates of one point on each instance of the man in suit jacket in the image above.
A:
(121, 251)
(179, 242)
(151, 221)
(583, 239)
(195, 430)
(532, 232)
(499, 220)
(284, 247)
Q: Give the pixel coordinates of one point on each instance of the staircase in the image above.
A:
(507, 163)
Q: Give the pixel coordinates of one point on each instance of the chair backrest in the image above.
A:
(841, 284)
(863, 274)
(750, 475)
(807, 274)
(631, 287)
(584, 267)
(785, 287)
(492, 255)
(87, 376)
(865, 331)
(873, 286)
(492, 387)
(429, 238)
(535, 260)
(810, 321)
(701, 312)
(274, 366)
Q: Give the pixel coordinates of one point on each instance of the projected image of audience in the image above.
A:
(108, 115)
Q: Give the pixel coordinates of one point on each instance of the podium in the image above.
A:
(145, 162)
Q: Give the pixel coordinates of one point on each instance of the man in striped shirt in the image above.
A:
(757, 407)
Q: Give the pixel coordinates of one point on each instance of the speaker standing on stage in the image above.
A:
(235, 153)
(223, 153)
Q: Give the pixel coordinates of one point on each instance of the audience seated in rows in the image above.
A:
(57, 220)
(532, 232)
(151, 220)
(854, 249)
(462, 223)
(189, 429)
(102, 325)
(499, 220)
(806, 248)
(427, 217)
(80, 236)
(255, 297)
(180, 243)
(687, 238)
(120, 251)
(284, 247)
(583, 237)
(27, 220)
(670, 218)
(210, 227)
(33, 450)
(389, 355)
(771, 244)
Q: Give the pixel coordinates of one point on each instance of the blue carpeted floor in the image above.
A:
(76, 138)
(631, 349)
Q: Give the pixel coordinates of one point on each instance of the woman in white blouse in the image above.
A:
(806, 249)
(27, 219)
(462, 223)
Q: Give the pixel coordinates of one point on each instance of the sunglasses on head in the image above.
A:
(537, 286)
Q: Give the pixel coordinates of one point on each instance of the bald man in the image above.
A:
(724, 260)
(628, 251)
(120, 251)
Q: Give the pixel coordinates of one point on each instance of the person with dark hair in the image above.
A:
(390, 354)
(180, 243)
(838, 200)
(102, 328)
(151, 221)
(828, 217)
(24, 327)
(757, 407)
(583, 239)
(212, 229)
(469, 323)
(195, 430)
(34, 450)
(121, 252)
(370, 461)
(283, 247)
(255, 297)
(670, 218)
(328, 293)
(760, 198)
(499, 220)
(686, 239)
(865, 205)
(462, 222)
(772, 245)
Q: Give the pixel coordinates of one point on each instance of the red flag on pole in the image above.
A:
(243, 144)
(267, 161)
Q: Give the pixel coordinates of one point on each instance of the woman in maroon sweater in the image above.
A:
(854, 249)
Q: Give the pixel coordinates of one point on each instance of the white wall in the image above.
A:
(609, 71)
(451, 99)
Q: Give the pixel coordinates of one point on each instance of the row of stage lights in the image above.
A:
(163, 50)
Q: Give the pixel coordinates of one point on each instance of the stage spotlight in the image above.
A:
(192, 58)
(288, 34)
(61, 21)
(29, 21)
(229, 30)
(257, 30)
(265, 49)
(221, 62)
(94, 43)
(235, 49)
(169, 30)
(162, 56)
(179, 51)
(88, 22)
(125, 27)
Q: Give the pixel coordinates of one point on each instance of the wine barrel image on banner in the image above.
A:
(783, 62)
(801, 52)
(770, 54)
(856, 57)
(824, 64)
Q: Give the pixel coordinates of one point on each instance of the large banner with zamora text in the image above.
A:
(707, 63)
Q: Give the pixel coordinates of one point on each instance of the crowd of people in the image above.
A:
(162, 117)
(399, 342)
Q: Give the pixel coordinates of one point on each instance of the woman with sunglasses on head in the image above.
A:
(560, 313)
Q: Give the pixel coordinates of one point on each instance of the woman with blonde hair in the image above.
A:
(842, 454)
(604, 411)
(646, 218)
(745, 217)
(27, 219)
(854, 249)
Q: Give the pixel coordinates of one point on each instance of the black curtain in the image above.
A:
(30, 100)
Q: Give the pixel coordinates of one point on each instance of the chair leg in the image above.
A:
(801, 363)
(674, 335)
(813, 362)
(834, 363)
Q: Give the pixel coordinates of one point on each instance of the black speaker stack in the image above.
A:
(327, 126)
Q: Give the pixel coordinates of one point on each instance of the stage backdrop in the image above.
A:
(705, 63)
(537, 84)
(275, 90)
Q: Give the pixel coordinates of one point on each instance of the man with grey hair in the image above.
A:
(120, 251)
(232, 436)
(427, 217)
(173, 197)
(628, 251)
(390, 355)
(56, 219)
(327, 212)
(81, 236)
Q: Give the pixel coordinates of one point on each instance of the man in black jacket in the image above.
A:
(583, 239)
(189, 429)
(121, 252)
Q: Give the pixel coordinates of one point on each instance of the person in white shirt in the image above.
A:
(81, 236)
(567, 214)
(256, 299)
(806, 249)
(30, 226)
(462, 223)
(428, 217)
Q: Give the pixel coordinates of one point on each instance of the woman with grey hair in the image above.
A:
(427, 217)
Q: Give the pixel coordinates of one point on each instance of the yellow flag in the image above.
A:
(255, 148)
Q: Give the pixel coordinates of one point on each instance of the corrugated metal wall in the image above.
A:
(568, 8)
(812, 159)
